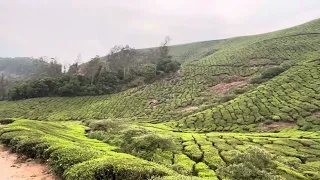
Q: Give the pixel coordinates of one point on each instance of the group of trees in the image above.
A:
(122, 68)
(14, 71)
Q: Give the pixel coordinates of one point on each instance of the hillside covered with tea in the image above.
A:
(224, 103)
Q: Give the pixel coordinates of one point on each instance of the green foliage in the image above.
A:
(168, 66)
(212, 158)
(107, 125)
(272, 72)
(100, 135)
(168, 114)
(145, 146)
(254, 163)
(116, 166)
(67, 85)
(204, 171)
(149, 71)
(183, 164)
(74, 156)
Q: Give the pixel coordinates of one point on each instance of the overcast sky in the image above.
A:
(66, 28)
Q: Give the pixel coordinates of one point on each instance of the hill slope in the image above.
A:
(236, 60)
(268, 82)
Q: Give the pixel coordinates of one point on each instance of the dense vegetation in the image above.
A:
(185, 124)
(290, 154)
(15, 71)
(122, 68)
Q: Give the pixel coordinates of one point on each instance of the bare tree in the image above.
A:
(164, 49)
(79, 59)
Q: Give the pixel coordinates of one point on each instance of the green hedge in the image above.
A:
(74, 156)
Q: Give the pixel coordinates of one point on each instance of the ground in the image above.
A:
(14, 169)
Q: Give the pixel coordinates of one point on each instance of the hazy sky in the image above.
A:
(65, 28)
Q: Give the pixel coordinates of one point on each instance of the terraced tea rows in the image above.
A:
(292, 96)
(213, 92)
(58, 142)
(295, 152)
(189, 91)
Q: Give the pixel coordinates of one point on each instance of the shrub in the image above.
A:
(107, 125)
(193, 151)
(227, 98)
(168, 66)
(146, 145)
(212, 157)
(116, 166)
(62, 159)
(287, 64)
(290, 161)
(253, 164)
(100, 135)
(257, 80)
(6, 121)
(73, 155)
(272, 72)
(204, 171)
(183, 164)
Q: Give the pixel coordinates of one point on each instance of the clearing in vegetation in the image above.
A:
(178, 129)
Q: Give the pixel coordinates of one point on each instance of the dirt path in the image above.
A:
(12, 168)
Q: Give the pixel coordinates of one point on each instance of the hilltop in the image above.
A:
(261, 90)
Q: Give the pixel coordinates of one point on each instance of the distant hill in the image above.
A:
(19, 66)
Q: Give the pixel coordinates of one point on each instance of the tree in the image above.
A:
(164, 50)
(54, 69)
(3, 87)
(122, 59)
(73, 69)
(168, 66)
(149, 71)
(92, 68)
(253, 164)
(48, 67)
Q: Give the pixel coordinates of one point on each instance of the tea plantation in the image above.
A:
(229, 96)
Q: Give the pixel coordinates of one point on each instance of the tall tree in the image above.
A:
(122, 59)
(91, 68)
(3, 87)
(164, 49)
(48, 67)
(73, 69)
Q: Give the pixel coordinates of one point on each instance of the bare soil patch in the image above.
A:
(224, 87)
(316, 114)
(276, 126)
(187, 108)
(12, 168)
